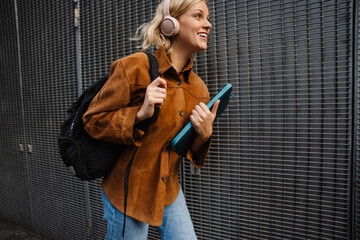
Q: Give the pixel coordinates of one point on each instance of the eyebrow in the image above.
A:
(198, 9)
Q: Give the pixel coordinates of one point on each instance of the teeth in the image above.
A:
(203, 35)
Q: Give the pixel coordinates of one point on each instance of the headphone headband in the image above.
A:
(166, 8)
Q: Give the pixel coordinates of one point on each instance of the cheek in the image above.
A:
(185, 36)
(187, 28)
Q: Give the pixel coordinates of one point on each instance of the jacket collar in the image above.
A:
(165, 64)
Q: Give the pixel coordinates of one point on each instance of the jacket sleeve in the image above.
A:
(109, 116)
(198, 158)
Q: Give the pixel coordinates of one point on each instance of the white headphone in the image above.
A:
(169, 25)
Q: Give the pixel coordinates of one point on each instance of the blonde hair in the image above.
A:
(150, 33)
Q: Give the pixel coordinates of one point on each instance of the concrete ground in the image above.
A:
(12, 232)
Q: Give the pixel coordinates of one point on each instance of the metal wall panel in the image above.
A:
(14, 186)
(356, 159)
(280, 162)
(279, 166)
(48, 66)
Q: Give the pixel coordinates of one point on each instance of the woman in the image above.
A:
(128, 98)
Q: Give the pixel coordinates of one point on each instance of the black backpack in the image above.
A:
(88, 158)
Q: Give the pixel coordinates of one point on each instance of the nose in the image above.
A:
(207, 24)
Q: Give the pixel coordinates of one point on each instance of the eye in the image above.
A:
(198, 16)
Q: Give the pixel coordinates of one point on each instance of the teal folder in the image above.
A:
(182, 141)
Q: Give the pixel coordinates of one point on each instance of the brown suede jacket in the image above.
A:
(153, 181)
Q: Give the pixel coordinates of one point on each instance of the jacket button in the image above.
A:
(182, 113)
(163, 178)
(178, 82)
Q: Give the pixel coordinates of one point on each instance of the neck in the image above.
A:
(179, 59)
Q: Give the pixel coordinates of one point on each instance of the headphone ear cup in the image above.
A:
(170, 26)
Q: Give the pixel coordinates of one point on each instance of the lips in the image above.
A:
(204, 35)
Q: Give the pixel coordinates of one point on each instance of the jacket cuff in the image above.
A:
(198, 159)
(130, 133)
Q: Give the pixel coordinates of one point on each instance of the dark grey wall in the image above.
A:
(284, 154)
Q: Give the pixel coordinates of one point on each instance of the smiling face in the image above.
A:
(194, 29)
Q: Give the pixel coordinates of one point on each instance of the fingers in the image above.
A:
(156, 98)
(201, 113)
(202, 119)
(196, 116)
(215, 108)
(156, 93)
(158, 90)
(158, 82)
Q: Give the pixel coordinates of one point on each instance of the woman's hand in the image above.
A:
(155, 96)
(203, 119)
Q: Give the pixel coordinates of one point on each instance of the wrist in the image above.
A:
(202, 139)
(139, 116)
(199, 141)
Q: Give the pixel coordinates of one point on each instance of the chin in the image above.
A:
(201, 48)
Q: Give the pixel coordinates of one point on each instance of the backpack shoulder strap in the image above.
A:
(153, 72)
(144, 125)
(153, 66)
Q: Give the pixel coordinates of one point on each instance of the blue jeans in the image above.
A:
(177, 224)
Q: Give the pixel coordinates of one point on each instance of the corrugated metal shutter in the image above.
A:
(356, 160)
(13, 162)
(279, 166)
(48, 70)
(280, 163)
